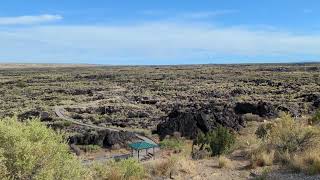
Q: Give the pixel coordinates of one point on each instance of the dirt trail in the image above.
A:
(59, 111)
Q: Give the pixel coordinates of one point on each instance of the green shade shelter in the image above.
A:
(141, 145)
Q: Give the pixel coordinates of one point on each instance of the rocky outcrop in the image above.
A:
(263, 109)
(316, 103)
(190, 123)
(310, 97)
(185, 123)
(292, 109)
(314, 98)
(44, 116)
(103, 138)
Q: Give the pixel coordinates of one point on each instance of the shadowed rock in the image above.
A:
(262, 109)
(103, 138)
(189, 124)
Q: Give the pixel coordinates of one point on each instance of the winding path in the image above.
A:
(59, 111)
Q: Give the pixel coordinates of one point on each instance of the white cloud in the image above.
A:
(188, 15)
(208, 14)
(157, 40)
(24, 20)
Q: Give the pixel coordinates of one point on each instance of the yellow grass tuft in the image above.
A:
(224, 162)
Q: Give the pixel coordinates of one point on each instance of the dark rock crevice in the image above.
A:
(103, 138)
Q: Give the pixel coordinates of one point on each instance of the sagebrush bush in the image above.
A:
(286, 135)
(290, 142)
(29, 150)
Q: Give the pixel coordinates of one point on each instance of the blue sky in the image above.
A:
(159, 32)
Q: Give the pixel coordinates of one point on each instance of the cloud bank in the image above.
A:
(27, 20)
(151, 43)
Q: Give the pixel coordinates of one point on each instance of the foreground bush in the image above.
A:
(287, 135)
(32, 151)
(289, 142)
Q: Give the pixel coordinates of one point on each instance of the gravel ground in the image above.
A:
(291, 176)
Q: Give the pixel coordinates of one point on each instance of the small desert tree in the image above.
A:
(218, 141)
(30, 150)
(221, 141)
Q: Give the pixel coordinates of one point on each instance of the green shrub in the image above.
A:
(221, 140)
(29, 150)
(172, 143)
(286, 135)
(217, 142)
(203, 140)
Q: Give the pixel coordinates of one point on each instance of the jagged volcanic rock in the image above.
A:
(190, 123)
(103, 138)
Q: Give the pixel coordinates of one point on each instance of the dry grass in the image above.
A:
(262, 157)
(186, 165)
(161, 167)
(125, 169)
(166, 167)
(290, 142)
(308, 162)
(224, 162)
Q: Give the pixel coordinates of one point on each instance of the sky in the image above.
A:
(159, 32)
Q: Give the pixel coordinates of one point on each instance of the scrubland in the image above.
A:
(211, 121)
